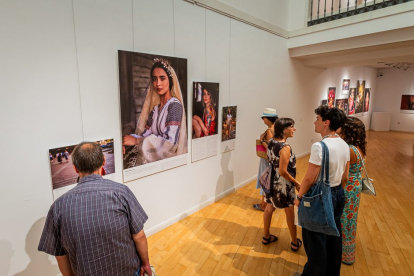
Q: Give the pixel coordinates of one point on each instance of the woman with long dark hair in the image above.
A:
(207, 125)
(281, 156)
(353, 133)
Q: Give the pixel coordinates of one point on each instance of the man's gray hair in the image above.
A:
(88, 157)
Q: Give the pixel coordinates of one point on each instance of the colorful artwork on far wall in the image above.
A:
(359, 101)
(407, 102)
(351, 101)
(331, 97)
(324, 102)
(342, 104)
(345, 86)
(367, 98)
(229, 123)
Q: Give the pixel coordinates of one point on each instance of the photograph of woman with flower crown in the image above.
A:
(153, 92)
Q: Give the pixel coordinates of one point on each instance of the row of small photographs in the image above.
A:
(63, 173)
(61, 169)
(358, 99)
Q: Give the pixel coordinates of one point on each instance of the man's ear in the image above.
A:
(76, 170)
(327, 123)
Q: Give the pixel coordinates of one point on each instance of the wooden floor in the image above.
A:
(225, 237)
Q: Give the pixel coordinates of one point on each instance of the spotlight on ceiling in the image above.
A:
(398, 65)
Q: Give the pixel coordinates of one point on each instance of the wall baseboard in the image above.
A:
(197, 208)
(303, 154)
(402, 130)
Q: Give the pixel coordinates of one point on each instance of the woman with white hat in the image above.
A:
(269, 117)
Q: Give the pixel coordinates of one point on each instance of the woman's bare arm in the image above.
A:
(283, 165)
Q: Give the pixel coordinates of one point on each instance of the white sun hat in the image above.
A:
(269, 112)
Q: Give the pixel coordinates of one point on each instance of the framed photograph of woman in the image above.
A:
(331, 97)
(367, 97)
(351, 101)
(229, 121)
(205, 123)
(205, 109)
(359, 101)
(153, 91)
(345, 86)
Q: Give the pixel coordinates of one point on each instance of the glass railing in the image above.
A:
(322, 11)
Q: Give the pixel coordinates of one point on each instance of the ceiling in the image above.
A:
(374, 56)
(373, 50)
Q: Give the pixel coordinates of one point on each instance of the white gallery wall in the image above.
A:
(59, 86)
(391, 86)
(274, 12)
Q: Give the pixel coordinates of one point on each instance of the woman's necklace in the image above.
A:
(330, 135)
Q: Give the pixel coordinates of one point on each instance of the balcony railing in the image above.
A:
(328, 10)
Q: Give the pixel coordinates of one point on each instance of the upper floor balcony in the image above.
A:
(321, 11)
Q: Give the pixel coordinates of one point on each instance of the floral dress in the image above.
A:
(350, 213)
(284, 190)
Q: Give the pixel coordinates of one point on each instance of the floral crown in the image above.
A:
(165, 65)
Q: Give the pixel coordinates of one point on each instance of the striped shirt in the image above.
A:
(93, 224)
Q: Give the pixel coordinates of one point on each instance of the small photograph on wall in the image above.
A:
(153, 99)
(64, 176)
(345, 86)
(205, 109)
(229, 123)
(205, 123)
(331, 97)
(359, 101)
(342, 104)
(324, 102)
(367, 97)
(407, 102)
(351, 101)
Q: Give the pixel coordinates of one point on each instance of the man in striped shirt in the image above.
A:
(97, 227)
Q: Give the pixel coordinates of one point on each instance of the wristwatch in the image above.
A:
(298, 198)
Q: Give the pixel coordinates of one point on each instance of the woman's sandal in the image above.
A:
(298, 245)
(257, 207)
(271, 239)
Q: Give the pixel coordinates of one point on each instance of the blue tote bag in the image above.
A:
(315, 209)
